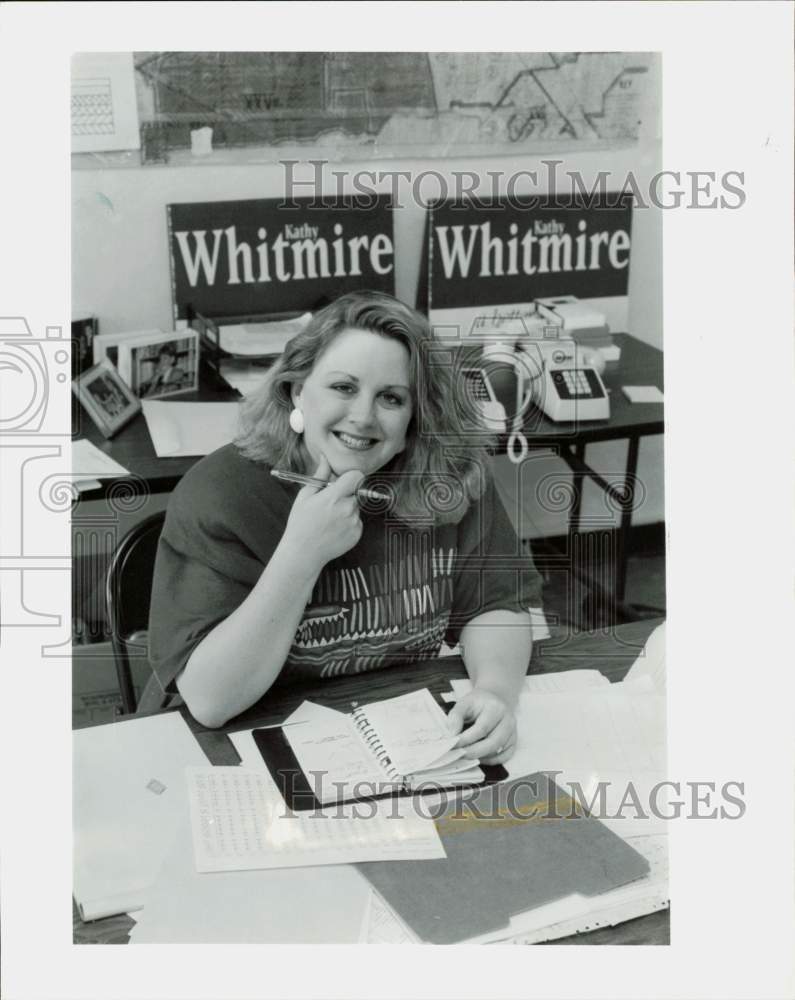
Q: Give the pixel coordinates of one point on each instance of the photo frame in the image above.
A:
(161, 365)
(105, 398)
(84, 333)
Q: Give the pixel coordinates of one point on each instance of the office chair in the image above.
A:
(128, 590)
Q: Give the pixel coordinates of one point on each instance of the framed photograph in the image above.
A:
(161, 365)
(106, 345)
(84, 331)
(105, 398)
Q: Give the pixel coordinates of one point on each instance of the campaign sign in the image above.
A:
(259, 257)
(497, 253)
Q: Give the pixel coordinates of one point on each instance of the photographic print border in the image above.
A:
(80, 387)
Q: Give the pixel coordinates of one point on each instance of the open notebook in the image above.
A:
(399, 745)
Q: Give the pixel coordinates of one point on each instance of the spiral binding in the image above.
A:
(372, 740)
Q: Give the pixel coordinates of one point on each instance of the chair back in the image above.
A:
(128, 592)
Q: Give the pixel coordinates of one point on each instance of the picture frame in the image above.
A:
(84, 333)
(106, 345)
(105, 398)
(161, 365)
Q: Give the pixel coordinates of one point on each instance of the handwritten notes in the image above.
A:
(388, 743)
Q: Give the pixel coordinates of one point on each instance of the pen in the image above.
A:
(296, 477)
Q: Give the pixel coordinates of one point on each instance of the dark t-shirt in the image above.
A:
(392, 598)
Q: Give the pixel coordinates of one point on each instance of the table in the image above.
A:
(610, 652)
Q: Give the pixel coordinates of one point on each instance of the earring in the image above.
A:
(297, 420)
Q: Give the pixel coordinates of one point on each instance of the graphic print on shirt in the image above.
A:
(375, 615)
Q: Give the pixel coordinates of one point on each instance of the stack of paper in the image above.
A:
(244, 375)
(129, 794)
(260, 339)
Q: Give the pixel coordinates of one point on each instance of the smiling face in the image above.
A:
(356, 402)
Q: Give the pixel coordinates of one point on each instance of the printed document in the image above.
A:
(240, 822)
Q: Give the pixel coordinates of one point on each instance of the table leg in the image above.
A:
(578, 477)
(630, 476)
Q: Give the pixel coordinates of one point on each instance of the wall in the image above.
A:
(120, 263)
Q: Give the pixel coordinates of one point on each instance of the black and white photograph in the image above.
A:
(446, 489)
(439, 596)
(83, 333)
(106, 398)
(164, 367)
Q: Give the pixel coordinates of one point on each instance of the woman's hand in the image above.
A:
(325, 522)
(491, 726)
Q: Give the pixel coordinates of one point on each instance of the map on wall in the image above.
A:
(368, 104)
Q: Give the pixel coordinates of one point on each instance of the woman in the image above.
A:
(256, 578)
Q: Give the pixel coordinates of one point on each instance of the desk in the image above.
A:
(612, 654)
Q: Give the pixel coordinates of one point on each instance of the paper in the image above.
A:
(186, 429)
(104, 105)
(610, 735)
(413, 729)
(239, 822)
(121, 826)
(579, 724)
(330, 752)
(381, 926)
(642, 393)
(323, 905)
(83, 485)
(558, 682)
(650, 664)
(604, 730)
(260, 339)
(245, 376)
(89, 464)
